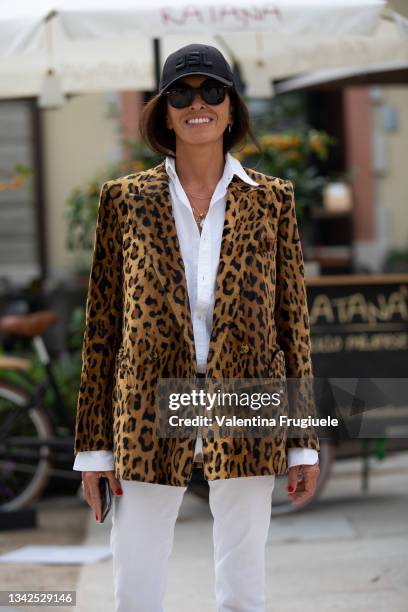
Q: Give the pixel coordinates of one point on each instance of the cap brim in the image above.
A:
(192, 73)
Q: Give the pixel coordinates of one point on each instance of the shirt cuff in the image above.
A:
(94, 461)
(302, 456)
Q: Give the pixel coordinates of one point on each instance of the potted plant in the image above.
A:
(291, 154)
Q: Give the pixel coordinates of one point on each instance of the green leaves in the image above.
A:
(82, 204)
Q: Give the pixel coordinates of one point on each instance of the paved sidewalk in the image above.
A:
(61, 521)
(348, 553)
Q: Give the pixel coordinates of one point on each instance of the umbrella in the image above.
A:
(63, 47)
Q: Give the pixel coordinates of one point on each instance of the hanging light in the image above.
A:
(51, 91)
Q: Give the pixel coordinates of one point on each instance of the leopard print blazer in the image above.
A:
(138, 325)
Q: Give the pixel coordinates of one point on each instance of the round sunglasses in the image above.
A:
(211, 91)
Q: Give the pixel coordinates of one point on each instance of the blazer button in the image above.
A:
(153, 355)
(244, 348)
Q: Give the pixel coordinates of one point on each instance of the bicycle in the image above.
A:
(31, 441)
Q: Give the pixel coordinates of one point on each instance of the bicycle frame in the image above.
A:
(36, 399)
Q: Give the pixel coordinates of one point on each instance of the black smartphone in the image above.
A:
(106, 497)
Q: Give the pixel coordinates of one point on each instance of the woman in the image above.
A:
(197, 271)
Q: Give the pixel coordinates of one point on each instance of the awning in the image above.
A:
(389, 73)
(82, 46)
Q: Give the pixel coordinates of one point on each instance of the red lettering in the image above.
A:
(170, 16)
(243, 16)
(272, 11)
(191, 13)
(167, 16)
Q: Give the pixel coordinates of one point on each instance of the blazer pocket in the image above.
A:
(124, 371)
(267, 246)
(143, 364)
(268, 237)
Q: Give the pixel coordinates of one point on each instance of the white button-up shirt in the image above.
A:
(200, 254)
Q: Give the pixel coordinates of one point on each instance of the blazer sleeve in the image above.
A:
(103, 323)
(292, 321)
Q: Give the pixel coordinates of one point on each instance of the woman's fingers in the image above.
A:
(114, 483)
(292, 479)
(300, 490)
(91, 491)
(96, 498)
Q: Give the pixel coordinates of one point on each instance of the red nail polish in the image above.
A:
(119, 492)
(291, 489)
(97, 517)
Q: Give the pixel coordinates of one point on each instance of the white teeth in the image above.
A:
(200, 120)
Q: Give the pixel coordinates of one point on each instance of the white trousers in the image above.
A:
(143, 521)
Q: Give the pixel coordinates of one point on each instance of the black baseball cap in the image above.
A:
(195, 59)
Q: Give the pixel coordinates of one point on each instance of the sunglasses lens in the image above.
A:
(180, 97)
(213, 92)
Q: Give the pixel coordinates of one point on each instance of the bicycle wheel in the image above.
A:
(24, 468)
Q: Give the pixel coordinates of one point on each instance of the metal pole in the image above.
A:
(157, 61)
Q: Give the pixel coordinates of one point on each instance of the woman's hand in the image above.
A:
(90, 484)
(302, 480)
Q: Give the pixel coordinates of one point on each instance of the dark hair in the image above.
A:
(155, 133)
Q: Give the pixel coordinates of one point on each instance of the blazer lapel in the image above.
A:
(156, 227)
(242, 216)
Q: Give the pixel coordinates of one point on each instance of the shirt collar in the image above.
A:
(232, 166)
(235, 167)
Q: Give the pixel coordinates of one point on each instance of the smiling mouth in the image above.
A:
(198, 122)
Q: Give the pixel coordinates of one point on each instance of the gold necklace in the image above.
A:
(197, 196)
(199, 216)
